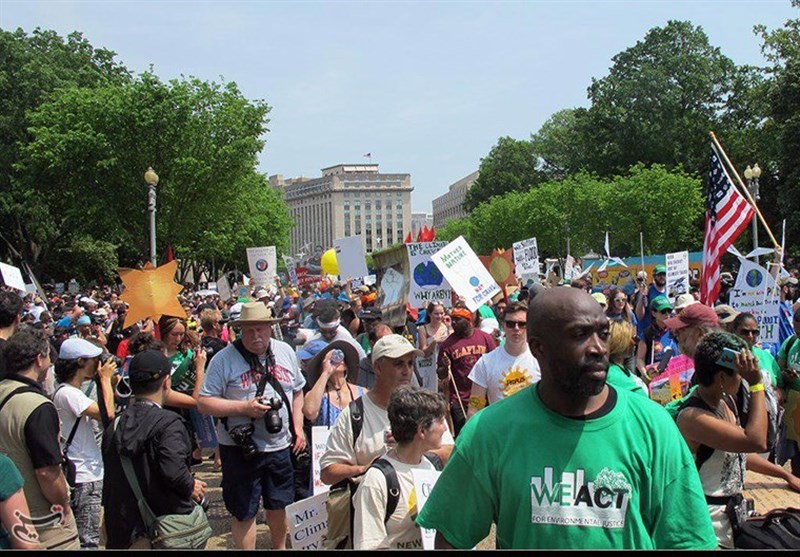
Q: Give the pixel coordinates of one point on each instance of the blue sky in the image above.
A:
(426, 87)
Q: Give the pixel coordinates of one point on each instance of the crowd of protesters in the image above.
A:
(88, 400)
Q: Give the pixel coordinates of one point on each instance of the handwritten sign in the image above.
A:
(424, 480)
(319, 440)
(427, 283)
(526, 259)
(465, 273)
(757, 292)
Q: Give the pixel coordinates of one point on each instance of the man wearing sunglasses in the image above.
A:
(508, 369)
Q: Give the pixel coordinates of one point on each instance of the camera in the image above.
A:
(105, 356)
(302, 459)
(272, 419)
(242, 435)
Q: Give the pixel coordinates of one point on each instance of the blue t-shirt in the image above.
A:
(230, 377)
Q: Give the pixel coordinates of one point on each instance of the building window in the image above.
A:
(347, 194)
(347, 226)
(368, 194)
(356, 194)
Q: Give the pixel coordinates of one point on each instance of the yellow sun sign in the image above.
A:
(500, 266)
(151, 292)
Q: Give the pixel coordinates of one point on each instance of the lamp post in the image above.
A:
(752, 175)
(151, 178)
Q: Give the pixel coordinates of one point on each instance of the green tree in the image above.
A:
(511, 165)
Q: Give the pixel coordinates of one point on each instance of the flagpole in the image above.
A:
(641, 246)
(744, 189)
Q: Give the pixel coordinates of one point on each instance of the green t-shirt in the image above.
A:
(625, 480)
(623, 380)
(789, 357)
(10, 483)
(768, 363)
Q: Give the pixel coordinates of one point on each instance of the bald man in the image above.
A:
(570, 462)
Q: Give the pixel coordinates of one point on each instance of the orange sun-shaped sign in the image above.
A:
(500, 265)
(151, 292)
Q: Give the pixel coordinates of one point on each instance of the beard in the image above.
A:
(578, 381)
(461, 327)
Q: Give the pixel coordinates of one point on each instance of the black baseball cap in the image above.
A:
(148, 366)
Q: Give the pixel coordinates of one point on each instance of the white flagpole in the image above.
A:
(641, 246)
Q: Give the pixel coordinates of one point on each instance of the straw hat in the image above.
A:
(254, 313)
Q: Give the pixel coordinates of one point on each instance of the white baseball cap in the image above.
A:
(684, 300)
(74, 348)
(394, 346)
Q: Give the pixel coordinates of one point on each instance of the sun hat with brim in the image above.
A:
(254, 313)
(314, 367)
(695, 314)
(147, 366)
(311, 349)
(659, 269)
(685, 300)
(600, 298)
(725, 313)
(394, 346)
(660, 303)
(75, 348)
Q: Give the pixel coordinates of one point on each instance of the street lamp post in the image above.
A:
(151, 178)
(752, 175)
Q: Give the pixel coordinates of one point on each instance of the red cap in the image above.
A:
(695, 314)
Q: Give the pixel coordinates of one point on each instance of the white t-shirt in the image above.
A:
(369, 502)
(83, 451)
(371, 442)
(502, 374)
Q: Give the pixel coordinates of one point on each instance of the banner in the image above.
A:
(351, 258)
(305, 279)
(677, 274)
(224, 289)
(674, 382)
(308, 521)
(624, 277)
(756, 292)
(526, 259)
(263, 264)
(424, 480)
(12, 277)
(319, 440)
(465, 273)
(427, 283)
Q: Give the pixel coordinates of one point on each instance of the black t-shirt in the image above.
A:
(2, 359)
(211, 345)
(42, 429)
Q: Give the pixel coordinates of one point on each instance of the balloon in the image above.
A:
(328, 263)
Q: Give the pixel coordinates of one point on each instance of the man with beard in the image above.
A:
(570, 462)
(656, 289)
(460, 352)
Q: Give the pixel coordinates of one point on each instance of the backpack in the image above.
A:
(393, 484)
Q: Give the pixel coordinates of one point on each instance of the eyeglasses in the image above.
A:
(516, 324)
(749, 332)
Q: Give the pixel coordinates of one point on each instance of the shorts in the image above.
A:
(265, 476)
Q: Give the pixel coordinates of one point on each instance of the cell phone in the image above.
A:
(727, 358)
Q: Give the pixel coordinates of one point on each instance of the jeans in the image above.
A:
(86, 500)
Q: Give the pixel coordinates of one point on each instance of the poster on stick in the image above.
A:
(424, 480)
(12, 276)
(677, 274)
(427, 282)
(263, 264)
(351, 258)
(757, 292)
(465, 273)
(526, 259)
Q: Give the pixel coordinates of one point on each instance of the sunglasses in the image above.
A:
(511, 324)
(750, 332)
(665, 311)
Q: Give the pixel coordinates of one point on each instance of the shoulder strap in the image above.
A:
(18, 391)
(148, 516)
(356, 418)
(392, 486)
(704, 452)
(434, 459)
(74, 426)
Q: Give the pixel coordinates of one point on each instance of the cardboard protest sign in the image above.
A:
(677, 274)
(151, 292)
(319, 440)
(290, 268)
(427, 283)
(308, 522)
(224, 289)
(424, 480)
(351, 258)
(526, 259)
(465, 273)
(757, 292)
(12, 276)
(263, 263)
(392, 286)
(500, 266)
(674, 382)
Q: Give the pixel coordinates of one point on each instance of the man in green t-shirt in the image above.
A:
(570, 462)
(789, 362)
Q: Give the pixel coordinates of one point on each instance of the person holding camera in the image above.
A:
(256, 389)
(78, 362)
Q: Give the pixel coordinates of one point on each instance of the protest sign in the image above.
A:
(290, 268)
(319, 440)
(224, 289)
(756, 292)
(73, 287)
(677, 274)
(624, 277)
(12, 276)
(304, 278)
(674, 382)
(350, 257)
(427, 283)
(465, 273)
(263, 263)
(392, 286)
(204, 430)
(60, 288)
(424, 480)
(526, 259)
(308, 522)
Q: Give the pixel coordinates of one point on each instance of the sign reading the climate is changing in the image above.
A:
(427, 282)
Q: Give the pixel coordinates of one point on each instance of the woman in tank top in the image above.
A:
(334, 383)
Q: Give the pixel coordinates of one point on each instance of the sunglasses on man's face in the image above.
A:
(511, 324)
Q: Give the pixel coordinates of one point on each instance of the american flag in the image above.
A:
(727, 214)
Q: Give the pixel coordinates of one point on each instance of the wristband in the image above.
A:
(757, 387)
(477, 402)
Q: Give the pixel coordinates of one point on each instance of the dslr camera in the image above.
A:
(242, 435)
(105, 356)
(272, 419)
